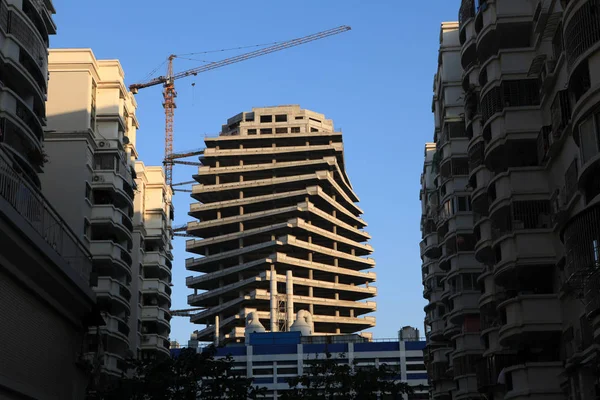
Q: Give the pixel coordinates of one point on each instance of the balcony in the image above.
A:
(430, 246)
(489, 284)
(154, 342)
(437, 329)
(117, 327)
(508, 62)
(467, 388)
(534, 380)
(113, 289)
(439, 355)
(458, 184)
(529, 315)
(153, 313)
(119, 182)
(522, 248)
(483, 247)
(468, 341)
(106, 249)
(38, 214)
(463, 303)
(581, 237)
(518, 184)
(108, 214)
(464, 262)
(157, 286)
(453, 147)
(27, 120)
(159, 259)
(582, 32)
(489, 369)
(22, 31)
(517, 101)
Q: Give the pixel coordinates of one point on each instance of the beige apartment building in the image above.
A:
(280, 229)
(529, 76)
(44, 266)
(114, 203)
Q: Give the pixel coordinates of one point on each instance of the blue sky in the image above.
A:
(374, 81)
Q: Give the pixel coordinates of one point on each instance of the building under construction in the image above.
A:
(278, 229)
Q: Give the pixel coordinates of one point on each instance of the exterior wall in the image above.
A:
(44, 267)
(280, 228)
(24, 30)
(154, 259)
(272, 359)
(69, 195)
(60, 377)
(530, 80)
(94, 187)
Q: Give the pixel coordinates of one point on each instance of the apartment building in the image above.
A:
(115, 204)
(280, 229)
(450, 269)
(44, 267)
(152, 235)
(272, 358)
(530, 77)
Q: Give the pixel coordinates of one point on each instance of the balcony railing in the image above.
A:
(467, 10)
(581, 238)
(582, 32)
(489, 368)
(40, 215)
(560, 111)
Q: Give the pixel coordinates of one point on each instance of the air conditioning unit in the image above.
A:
(98, 178)
(104, 144)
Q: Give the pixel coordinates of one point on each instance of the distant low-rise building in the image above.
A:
(272, 358)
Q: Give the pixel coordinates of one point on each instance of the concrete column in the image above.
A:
(217, 330)
(289, 290)
(273, 299)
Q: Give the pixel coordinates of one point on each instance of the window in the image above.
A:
(295, 129)
(266, 131)
(299, 117)
(464, 203)
(93, 107)
(314, 129)
(266, 118)
(316, 120)
(87, 228)
(415, 367)
(588, 139)
(557, 42)
(251, 131)
(250, 117)
(580, 81)
(104, 162)
(88, 191)
(281, 118)
(281, 130)
(571, 180)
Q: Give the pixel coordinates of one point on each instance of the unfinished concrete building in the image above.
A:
(531, 78)
(280, 229)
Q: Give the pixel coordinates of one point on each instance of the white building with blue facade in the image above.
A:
(272, 358)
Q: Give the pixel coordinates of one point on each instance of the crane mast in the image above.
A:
(169, 105)
(169, 93)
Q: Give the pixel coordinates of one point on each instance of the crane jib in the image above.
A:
(169, 93)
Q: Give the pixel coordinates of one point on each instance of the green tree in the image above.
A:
(190, 376)
(327, 379)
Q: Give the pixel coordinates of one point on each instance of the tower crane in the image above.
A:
(169, 92)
